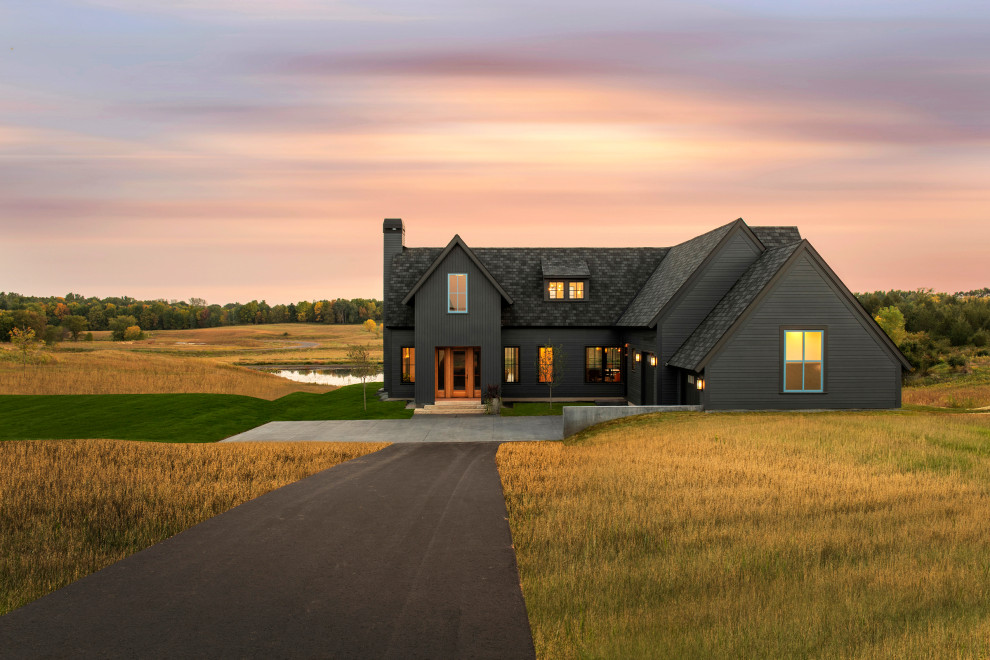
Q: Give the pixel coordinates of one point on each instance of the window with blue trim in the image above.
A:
(803, 351)
(457, 293)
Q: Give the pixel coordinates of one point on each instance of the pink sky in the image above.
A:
(229, 151)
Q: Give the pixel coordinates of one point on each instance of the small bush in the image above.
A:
(132, 333)
(981, 338)
(956, 361)
(88, 336)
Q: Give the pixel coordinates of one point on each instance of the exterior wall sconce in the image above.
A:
(653, 360)
(700, 383)
(637, 356)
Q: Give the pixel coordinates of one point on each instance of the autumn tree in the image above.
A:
(550, 363)
(362, 367)
(891, 319)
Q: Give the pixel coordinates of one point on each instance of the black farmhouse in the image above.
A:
(738, 318)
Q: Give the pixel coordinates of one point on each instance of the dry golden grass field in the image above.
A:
(175, 361)
(965, 390)
(853, 535)
(69, 508)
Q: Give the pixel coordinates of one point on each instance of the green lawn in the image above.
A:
(539, 408)
(177, 417)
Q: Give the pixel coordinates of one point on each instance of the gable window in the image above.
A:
(457, 293)
(510, 364)
(545, 367)
(575, 290)
(603, 364)
(803, 353)
(408, 364)
(555, 290)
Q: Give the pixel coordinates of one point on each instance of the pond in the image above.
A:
(323, 376)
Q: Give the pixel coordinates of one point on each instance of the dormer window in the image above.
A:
(565, 276)
(565, 290)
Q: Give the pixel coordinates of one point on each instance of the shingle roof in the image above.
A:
(670, 275)
(777, 236)
(731, 307)
(627, 286)
(615, 276)
(564, 266)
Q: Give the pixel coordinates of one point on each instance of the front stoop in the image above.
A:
(471, 407)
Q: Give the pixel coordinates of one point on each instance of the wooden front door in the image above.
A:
(458, 372)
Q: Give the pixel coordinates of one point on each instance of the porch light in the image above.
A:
(637, 356)
(700, 382)
(653, 360)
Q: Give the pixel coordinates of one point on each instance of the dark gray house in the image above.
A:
(738, 318)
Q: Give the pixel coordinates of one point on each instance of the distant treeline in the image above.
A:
(56, 317)
(960, 319)
(930, 327)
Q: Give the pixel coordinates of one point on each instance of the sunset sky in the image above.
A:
(239, 149)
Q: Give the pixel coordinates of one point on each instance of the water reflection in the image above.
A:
(336, 376)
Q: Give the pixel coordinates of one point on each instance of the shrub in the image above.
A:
(120, 324)
(88, 336)
(956, 361)
(133, 332)
(981, 338)
(54, 334)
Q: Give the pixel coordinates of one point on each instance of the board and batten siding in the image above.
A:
(641, 342)
(481, 326)
(860, 371)
(695, 303)
(573, 341)
(395, 387)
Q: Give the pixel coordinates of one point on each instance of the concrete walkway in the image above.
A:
(421, 428)
(404, 553)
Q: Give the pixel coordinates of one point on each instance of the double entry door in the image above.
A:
(458, 372)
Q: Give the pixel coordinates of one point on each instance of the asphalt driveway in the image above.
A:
(420, 428)
(405, 553)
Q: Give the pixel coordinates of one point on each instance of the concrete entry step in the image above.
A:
(467, 407)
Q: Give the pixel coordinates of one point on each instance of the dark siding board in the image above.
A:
(387, 359)
(481, 326)
(724, 270)
(644, 342)
(859, 371)
(573, 341)
(398, 389)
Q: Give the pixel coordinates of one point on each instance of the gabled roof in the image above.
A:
(675, 269)
(777, 236)
(732, 309)
(615, 276)
(456, 241)
(728, 310)
(627, 286)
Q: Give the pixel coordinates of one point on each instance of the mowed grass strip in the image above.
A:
(757, 535)
(177, 417)
(69, 508)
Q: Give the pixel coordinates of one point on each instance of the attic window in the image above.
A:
(457, 293)
(565, 290)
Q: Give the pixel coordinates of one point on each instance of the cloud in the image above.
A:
(254, 10)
